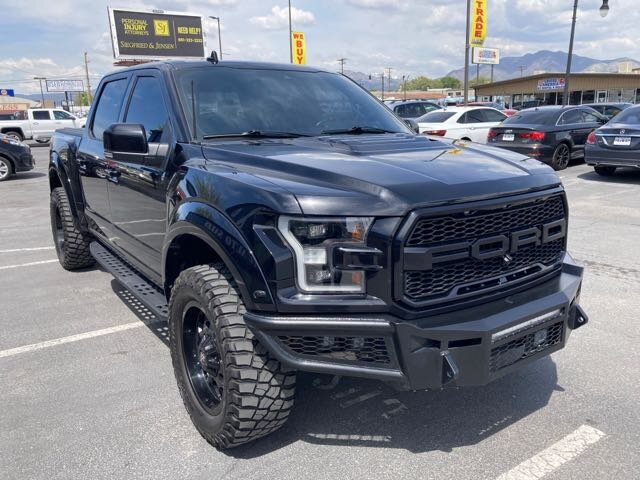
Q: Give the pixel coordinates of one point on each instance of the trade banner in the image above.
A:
(299, 46)
(155, 34)
(478, 22)
(551, 84)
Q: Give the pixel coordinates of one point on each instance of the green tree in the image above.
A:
(481, 81)
(421, 83)
(450, 82)
(82, 99)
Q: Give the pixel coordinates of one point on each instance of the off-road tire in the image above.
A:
(256, 389)
(561, 157)
(605, 170)
(72, 246)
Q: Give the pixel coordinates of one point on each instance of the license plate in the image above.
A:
(508, 137)
(622, 141)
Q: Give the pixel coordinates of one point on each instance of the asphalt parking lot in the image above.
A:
(87, 388)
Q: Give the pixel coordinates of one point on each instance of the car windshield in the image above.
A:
(223, 101)
(533, 117)
(630, 116)
(437, 116)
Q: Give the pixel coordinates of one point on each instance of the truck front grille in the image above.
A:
(465, 275)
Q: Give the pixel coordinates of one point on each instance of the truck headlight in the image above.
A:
(313, 241)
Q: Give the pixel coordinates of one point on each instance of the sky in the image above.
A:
(413, 37)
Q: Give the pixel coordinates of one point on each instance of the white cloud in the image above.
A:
(279, 18)
(380, 4)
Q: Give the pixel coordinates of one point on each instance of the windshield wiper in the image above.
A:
(257, 134)
(357, 130)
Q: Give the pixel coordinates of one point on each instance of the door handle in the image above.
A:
(35, 123)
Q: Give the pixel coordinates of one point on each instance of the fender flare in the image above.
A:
(56, 168)
(215, 229)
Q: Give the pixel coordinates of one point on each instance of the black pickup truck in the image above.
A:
(282, 219)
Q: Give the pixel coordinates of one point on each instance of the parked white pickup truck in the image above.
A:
(39, 124)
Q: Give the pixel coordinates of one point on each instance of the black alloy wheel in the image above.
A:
(202, 358)
(561, 157)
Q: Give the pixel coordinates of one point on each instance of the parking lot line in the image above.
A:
(555, 456)
(71, 338)
(33, 249)
(7, 267)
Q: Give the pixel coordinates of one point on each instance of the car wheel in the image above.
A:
(561, 157)
(15, 135)
(605, 171)
(232, 388)
(5, 169)
(72, 246)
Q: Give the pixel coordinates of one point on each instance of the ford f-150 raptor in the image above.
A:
(282, 219)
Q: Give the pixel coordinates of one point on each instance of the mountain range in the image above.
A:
(544, 61)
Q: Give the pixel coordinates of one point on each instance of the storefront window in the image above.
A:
(588, 96)
(575, 98)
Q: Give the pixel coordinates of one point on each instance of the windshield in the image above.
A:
(630, 116)
(438, 116)
(232, 101)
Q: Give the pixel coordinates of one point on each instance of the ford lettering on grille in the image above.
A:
(464, 253)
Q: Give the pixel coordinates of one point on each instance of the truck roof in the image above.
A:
(186, 64)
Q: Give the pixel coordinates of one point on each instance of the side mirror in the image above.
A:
(125, 138)
(413, 125)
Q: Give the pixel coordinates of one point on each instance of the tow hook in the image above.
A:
(577, 317)
(450, 370)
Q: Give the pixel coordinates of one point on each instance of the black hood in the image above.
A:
(386, 174)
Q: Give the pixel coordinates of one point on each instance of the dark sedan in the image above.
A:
(555, 135)
(609, 109)
(616, 144)
(15, 157)
(413, 108)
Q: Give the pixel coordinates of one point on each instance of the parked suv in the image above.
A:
(282, 219)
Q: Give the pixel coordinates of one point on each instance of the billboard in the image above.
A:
(7, 92)
(155, 34)
(299, 46)
(65, 86)
(478, 22)
(551, 84)
(486, 56)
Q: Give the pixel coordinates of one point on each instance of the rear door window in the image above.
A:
(41, 115)
(493, 116)
(590, 117)
(473, 116)
(61, 115)
(571, 117)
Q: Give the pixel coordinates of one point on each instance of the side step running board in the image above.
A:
(140, 288)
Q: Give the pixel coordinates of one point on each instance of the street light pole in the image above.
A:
(466, 55)
(219, 36)
(604, 10)
(290, 35)
(41, 91)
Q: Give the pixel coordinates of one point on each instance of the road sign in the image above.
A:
(486, 56)
(7, 92)
(65, 86)
(155, 34)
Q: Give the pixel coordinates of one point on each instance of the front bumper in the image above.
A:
(472, 346)
(25, 162)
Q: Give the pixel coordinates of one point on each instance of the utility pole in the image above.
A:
(86, 71)
(383, 85)
(219, 36)
(405, 79)
(522, 69)
(389, 77)
(290, 35)
(466, 55)
(41, 91)
(565, 94)
(342, 61)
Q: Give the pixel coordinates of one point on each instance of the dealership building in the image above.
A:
(547, 89)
